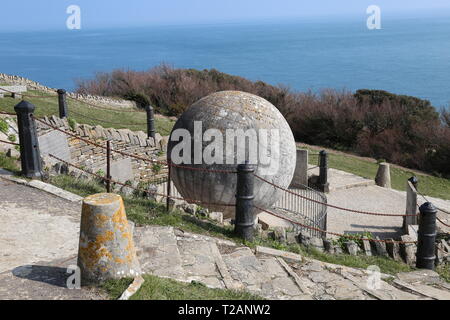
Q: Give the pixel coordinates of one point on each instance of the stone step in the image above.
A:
(202, 262)
(245, 268)
(158, 253)
(264, 276)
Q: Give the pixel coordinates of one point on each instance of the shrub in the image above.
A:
(400, 129)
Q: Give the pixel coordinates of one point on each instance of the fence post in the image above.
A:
(108, 166)
(30, 156)
(150, 122)
(62, 103)
(324, 186)
(426, 251)
(244, 220)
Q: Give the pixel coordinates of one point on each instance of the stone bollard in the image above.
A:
(383, 177)
(300, 179)
(106, 249)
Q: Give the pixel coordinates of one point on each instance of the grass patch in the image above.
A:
(82, 113)
(428, 185)
(444, 271)
(10, 164)
(146, 212)
(155, 288)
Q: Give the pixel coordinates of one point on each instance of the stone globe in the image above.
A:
(219, 132)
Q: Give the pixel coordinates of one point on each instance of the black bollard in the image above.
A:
(244, 219)
(29, 146)
(62, 103)
(324, 186)
(426, 251)
(150, 122)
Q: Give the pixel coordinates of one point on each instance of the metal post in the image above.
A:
(426, 254)
(62, 103)
(414, 181)
(169, 163)
(244, 219)
(108, 166)
(323, 171)
(30, 156)
(150, 122)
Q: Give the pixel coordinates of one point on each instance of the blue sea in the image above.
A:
(407, 56)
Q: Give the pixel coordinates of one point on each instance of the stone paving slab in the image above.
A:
(157, 251)
(339, 179)
(199, 263)
(44, 281)
(35, 226)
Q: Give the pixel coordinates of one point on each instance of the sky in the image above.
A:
(20, 15)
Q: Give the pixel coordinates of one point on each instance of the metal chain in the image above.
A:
(329, 232)
(334, 206)
(9, 142)
(139, 189)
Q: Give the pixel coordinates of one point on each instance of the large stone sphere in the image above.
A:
(224, 112)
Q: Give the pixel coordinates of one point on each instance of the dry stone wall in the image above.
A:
(100, 100)
(93, 157)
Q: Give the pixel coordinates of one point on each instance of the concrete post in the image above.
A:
(324, 186)
(30, 156)
(106, 249)
(383, 177)
(244, 220)
(426, 249)
(62, 102)
(411, 206)
(301, 169)
(150, 122)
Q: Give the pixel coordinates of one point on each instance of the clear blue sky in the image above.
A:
(51, 14)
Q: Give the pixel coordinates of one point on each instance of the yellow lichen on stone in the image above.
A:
(100, 220)
(119, 218)
(102, 198)
(102, 238)
(92, 253)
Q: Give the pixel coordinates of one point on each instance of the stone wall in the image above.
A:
(93, 157)
(100, 100)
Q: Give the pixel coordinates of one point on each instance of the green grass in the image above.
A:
(428, 185)
(155, 288)
(82, 113)
(146, 212)
(444, 271)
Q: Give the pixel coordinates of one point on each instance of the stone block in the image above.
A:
(301, 169)
(379, 248)
(351, 247)
(383, 177)
(190, 208)
(393, 249)
(367, 248)
(408, 250)
(55, 143)
(217, 216)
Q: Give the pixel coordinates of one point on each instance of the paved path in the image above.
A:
(38, 241)
(375, 199)
(354, 192)
(273, 274)
(39, 236)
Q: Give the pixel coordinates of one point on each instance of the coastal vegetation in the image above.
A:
(400, 129)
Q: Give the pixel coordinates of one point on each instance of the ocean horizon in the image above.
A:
(408, 56)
